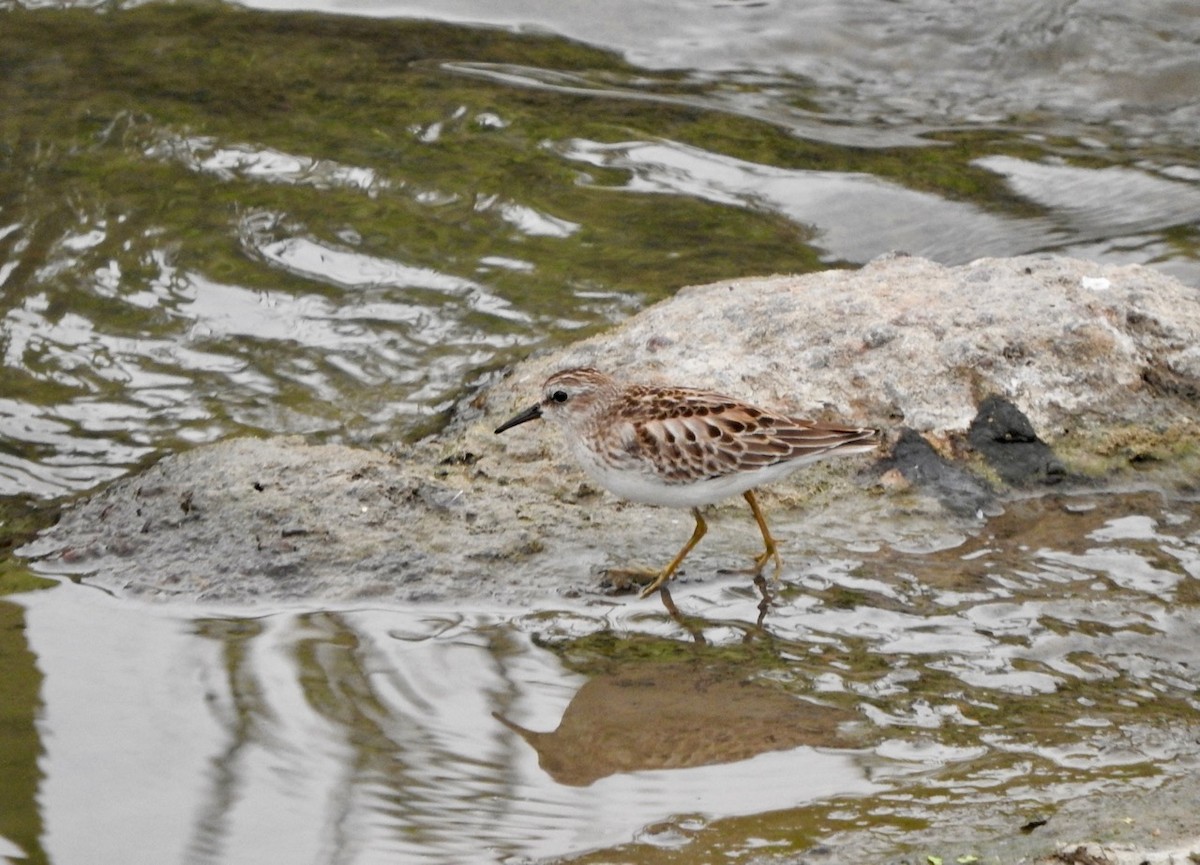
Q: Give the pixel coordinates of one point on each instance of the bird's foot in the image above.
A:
(760, 562)
(621, 580)
(660, 581)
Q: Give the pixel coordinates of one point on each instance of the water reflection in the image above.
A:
(677, 715)
(1051, 654)
(856, 216)
(352, 257)
(767, 97)
(328, 735)
(1105, 200)
(239, 161)
(892, 64)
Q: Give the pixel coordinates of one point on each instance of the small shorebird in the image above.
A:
(680, 447)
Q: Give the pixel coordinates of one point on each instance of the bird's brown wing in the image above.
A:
(685, 435)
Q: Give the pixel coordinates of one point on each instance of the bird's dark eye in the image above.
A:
(559, 396)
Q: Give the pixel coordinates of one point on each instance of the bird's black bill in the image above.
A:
(532, 413)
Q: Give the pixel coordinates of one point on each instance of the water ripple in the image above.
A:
(854, 215)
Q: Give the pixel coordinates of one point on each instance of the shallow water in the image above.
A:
(1053, 656)
(214, 221)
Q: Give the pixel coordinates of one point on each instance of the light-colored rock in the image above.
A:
(1075, 344)
(1104, 360)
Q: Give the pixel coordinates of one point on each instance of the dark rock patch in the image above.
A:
(1005, 438)
(958, 490)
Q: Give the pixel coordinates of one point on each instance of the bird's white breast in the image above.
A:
(630, 481)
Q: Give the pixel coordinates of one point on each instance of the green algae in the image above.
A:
(21, 710)
(1168, 454)
(21, 518)
(87, 95)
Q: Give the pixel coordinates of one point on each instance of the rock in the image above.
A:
(1000, 373)
(1077, 346)
(1084, 854)
(959, 491)
(1004, 437)
(1045, 369)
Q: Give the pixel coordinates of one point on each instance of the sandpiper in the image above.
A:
(681, 447)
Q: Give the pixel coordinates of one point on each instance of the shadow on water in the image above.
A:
(1052, 656)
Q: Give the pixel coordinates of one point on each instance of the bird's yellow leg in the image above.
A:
(669, 571)
(772, 551)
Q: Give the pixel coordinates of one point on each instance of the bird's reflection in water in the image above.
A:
(695, 625)
(677, 716)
